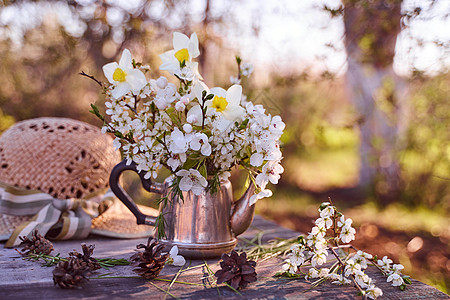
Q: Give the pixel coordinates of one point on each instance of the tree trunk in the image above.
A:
(378, 94)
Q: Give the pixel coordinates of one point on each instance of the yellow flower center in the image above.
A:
(119, 75)
(182, 55)
(219, 103)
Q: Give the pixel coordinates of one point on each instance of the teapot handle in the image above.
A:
(125, 198)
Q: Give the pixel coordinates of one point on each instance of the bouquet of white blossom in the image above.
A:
(196, 132)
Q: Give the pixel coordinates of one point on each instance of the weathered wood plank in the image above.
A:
(20, 279)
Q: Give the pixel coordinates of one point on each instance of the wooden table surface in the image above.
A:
(22, 279)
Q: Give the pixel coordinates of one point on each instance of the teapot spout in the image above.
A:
(242, 213)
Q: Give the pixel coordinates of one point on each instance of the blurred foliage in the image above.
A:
(426, 159)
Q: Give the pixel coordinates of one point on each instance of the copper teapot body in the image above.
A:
(202, 226)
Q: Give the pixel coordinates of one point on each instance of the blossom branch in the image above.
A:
(352, 276)
(91, 77)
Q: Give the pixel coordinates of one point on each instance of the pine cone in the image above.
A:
(71, 273)
(86, 258)
(151, 261)
(236, 270)
(37, 244)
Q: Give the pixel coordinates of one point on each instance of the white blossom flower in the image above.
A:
(324, 272)
(270, 172)
(396, 279)
(344, 222)
(328, 211)
(123, 76)
(347, 232)
(319, 257)
(361, 278)
(180, 142)
(397, 268)
(288, 266)
(362, 258)
(176, 160)
(351, 267)
(277, 125)
(373, 292)
(312, 273)
(324, 222)
(227, 103)
(192, 180)
(319, 230)
(178, 260)
(200, 142)
(247, 69)
(342, 280)
(297, 257)
(262, 194)
(184, 50)
(385, 263)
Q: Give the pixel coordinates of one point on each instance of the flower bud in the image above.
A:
(187, 128)
(161, 82)
(185, 100)
(180, 106)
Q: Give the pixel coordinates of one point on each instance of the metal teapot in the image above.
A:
(201, 226)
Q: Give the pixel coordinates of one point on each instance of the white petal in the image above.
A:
(195, 111)
(136, 79)
(198, 89)
(180, 41)
(218, 91)
(126, 61)
(185, 184)
(120, 90)
(174, 251)
(233, 113)
(256, 159)
(234, 94)
(109, 69)
(193, 46)
(222, 124)
(206, 149)
(182, 172)
(178, 260)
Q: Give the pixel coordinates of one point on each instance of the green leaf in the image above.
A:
(189, 164)
(407, 279)
(209, 97)
(244, 124)
(238, 60)
(402, 287)
(203, 170)
(118, 134)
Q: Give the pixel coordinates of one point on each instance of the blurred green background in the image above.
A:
(362, 87)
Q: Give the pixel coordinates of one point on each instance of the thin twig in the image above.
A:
(352, 276)
(91, 77)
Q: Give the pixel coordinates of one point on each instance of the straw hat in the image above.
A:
(66, 159)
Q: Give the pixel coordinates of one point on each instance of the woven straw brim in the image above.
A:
(62, 157)
(116, 222)
(119, 222)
